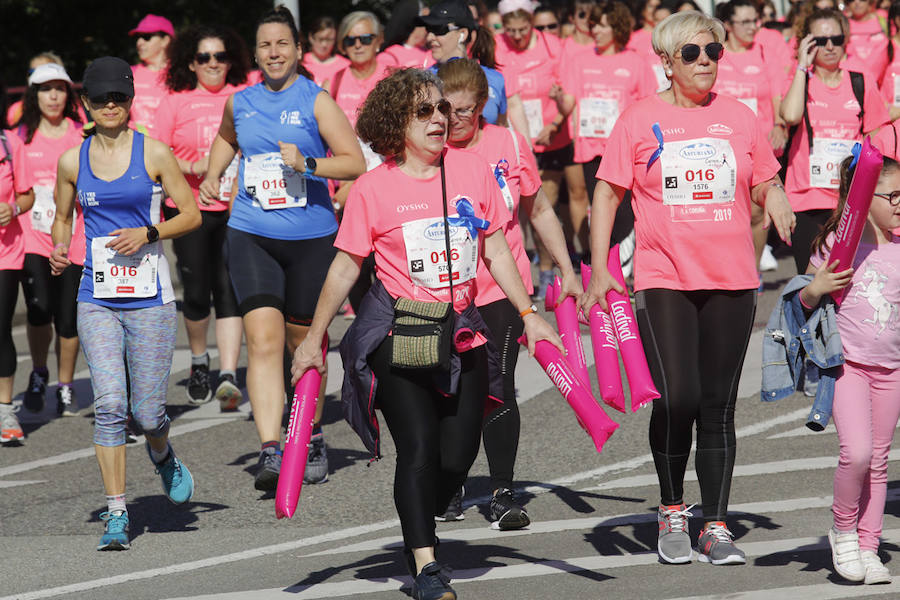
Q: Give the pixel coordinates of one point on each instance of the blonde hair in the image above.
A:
(675, 30)
(352, 19)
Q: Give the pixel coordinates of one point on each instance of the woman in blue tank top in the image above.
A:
(126, 308)
(279, 241)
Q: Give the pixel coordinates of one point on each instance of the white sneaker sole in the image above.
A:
(732, 559)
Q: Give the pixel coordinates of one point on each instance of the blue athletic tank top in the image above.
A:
(262, 118)
(132, 200)
(496, 102)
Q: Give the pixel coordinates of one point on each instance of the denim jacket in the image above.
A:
(801, 353)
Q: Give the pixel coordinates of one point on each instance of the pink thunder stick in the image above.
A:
(569, 330)
(606, 351)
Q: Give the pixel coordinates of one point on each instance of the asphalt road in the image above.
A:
(593, 533)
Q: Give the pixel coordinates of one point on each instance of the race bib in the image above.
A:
(44, 210)
(751, 103)
(426, 253)
(534, 114)
(226, 181)
(698, 173)
(825, 162)
(273, 184)
(596, 116)
(118, 276)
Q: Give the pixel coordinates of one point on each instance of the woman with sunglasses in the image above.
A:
(320, 58)
(546, 20)
(207, 65)
(50, 125)
(822, 102)
(516, 169)
(359, 38)
(126, 305)
(581, 39)
(694, 160)
(869, 39)
(280, 234)
(434, 416)
(152, 38)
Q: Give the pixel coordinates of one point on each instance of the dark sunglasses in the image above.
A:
(147, 36)
(426, 109)
(116, 97)
(204, 57)
(893, 197)
(581, 14)
(691, 52)
(443, 29)
(822, 40)
(365, 40)
(550, 26)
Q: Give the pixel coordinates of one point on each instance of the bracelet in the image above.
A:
(803, 303)
(777, 185)
(17, 210)
(528, 311)
(804, 69)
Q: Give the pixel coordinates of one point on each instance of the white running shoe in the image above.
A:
(767, 262)
(846, 556)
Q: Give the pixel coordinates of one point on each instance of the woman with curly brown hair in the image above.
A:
(397, 211)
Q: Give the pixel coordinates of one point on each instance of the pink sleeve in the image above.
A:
(355, 233)
(165, 120)
(875, 112)
(529, 177)
(21, 173)
(617, 166)
(765, 165)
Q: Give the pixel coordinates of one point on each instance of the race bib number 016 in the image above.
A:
(825, 162)
(273, 184)
(426, 253)
(44, 210)
(697, 174)
(119, 276)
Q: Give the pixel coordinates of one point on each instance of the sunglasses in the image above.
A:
(204, 57)
(446, 28)
(581, 14)
(115, 97)
(426, 109)
(691, 52)
(550, 26)
(893, 197)
(365, 40)
(822, 40)
(495, 26)
(146, 36)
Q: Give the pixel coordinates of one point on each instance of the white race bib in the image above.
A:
(697, 173)
(426, 253)
(118, 276)
(825, 162)
(226, 181)
(596, 116)
(44, 210)
(534, 114)
(273, 184)
(750, 102)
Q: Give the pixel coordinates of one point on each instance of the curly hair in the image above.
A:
(180, 77)
(31, 110)
(619, 18)
(389, 108)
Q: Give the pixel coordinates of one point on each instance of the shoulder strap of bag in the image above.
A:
(858, 83)
(336, 83)
(6, 149)
(446, 230)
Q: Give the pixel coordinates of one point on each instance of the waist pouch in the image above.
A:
(422, 334)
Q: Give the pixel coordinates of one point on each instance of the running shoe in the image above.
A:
(10, 430)
(348, 312)
(316, 461)
(432, 583)
(545, 279)
(626, 254)
(454, 510)
(116, 535)
(716, 546)
(132, 431)
(269, 467)
(767, 262)
(674, 544)
(66, 404)
(228, 394)
(177, 481)
(506, 514)
(34, 395)
(846, 556)
(198, 391)
(876, 572)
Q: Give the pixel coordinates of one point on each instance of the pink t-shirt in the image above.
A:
(323, 72)
(41, 159)
(692, 204)
(890, 83)
(401, 219)
(352, 92)
(887, 140)
(604, 86)
(868, 316)
(776, 52)
(188, 122)
(520, 177)
(149, 90)
(868, 44)
(812, 183)
(747, 77)
(14, 179)
(531, 73)
(409, 56)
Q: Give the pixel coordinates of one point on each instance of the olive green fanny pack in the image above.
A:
(422, 334)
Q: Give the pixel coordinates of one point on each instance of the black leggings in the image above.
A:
(624, 221)
(201, 265)
(501, 427)
(9, 293)
(50, 298)
(809, 224)
(436, 436)
(695, 343)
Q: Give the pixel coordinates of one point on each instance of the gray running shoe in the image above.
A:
(316, 461)
(674, 544)
(454, 510)
(716, 546)
(268, 469)
(10, 430)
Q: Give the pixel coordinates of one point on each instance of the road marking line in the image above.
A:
(9, 484)
(822, 591)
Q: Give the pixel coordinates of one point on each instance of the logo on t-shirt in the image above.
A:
(87, 198)
(291, 118)
(752, 70)
(622, 72)
(719, 129)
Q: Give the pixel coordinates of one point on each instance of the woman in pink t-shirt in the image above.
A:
(152, 38)
(822, 103)
(396, 211)
(693, 160)
(50, 125)
(359, 37)
(320, 58)
(517, 174)
(208, 64)
(405, 37)
(868, 40)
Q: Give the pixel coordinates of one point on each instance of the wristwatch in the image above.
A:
(310, 165)
(528, 311)
(152, 234)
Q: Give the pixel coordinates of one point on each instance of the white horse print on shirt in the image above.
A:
(885, 313)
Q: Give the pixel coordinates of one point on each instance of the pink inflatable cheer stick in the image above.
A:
(639, 380)
(606, 351)
(296, 441)
(856, 210)
(569, 331)
(589, 414)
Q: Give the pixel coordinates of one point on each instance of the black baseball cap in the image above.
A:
(108, 74)
(450, 11)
